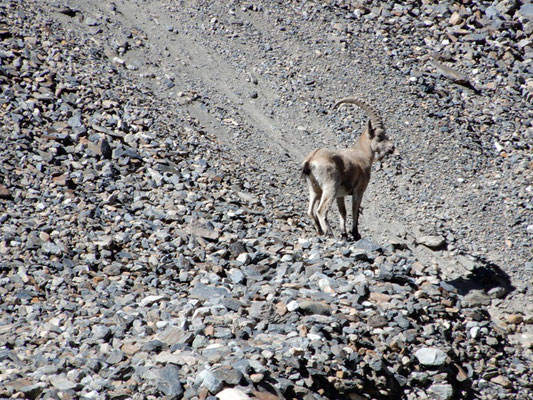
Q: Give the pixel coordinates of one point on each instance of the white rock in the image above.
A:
(149, 300)
(474, 332)
(293, 306)
(431, 356)
(244, 258)
(232, 394)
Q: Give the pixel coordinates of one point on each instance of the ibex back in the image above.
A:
(334, 174)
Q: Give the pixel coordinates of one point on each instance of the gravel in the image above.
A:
(154, 241)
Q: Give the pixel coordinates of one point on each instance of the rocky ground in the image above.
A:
(154, 241)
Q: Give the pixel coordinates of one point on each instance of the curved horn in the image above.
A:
(375, 119)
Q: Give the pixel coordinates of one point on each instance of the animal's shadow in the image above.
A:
(485, 277)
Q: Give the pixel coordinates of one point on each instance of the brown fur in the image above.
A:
(334, 174)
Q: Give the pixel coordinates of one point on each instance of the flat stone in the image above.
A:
(206, 292)
(258, 309)
(476, 37)
(130, 349)
(31, 389)
(377, 321)
(366, 245)
(153, 345)
(203, 232)
(63, 384)
(173, 335)
(431, 357)
(502, 381)
(431, 241)
(292, 306)
(497, 292)
(167, 357)
(236, 275)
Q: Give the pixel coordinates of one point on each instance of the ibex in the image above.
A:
(334, 174)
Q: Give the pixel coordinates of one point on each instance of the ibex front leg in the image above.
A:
(356, 203)
(342, 214)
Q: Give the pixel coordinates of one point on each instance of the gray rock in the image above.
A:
(237, 276)
(62, 383)
(497, 292)
(526, 10)
(433, 242)
(206, 292)
(258, 309)
(208, 380)
(441, 391)
(476, 298)
(101, 333)
(169, 382)
(115, 357)
(228, 375)
(366, 245)
(309, 307)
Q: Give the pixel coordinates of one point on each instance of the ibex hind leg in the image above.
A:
(322, 212)
(314, 198)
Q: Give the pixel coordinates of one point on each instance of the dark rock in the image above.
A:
(169, 382)
(309, 307)
(228, 375)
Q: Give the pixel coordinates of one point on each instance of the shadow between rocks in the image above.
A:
(486, 276)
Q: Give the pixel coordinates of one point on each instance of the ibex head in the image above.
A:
(380, 143)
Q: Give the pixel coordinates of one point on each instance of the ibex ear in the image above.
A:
(370, 129)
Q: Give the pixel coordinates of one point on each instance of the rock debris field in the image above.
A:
(154, 241)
